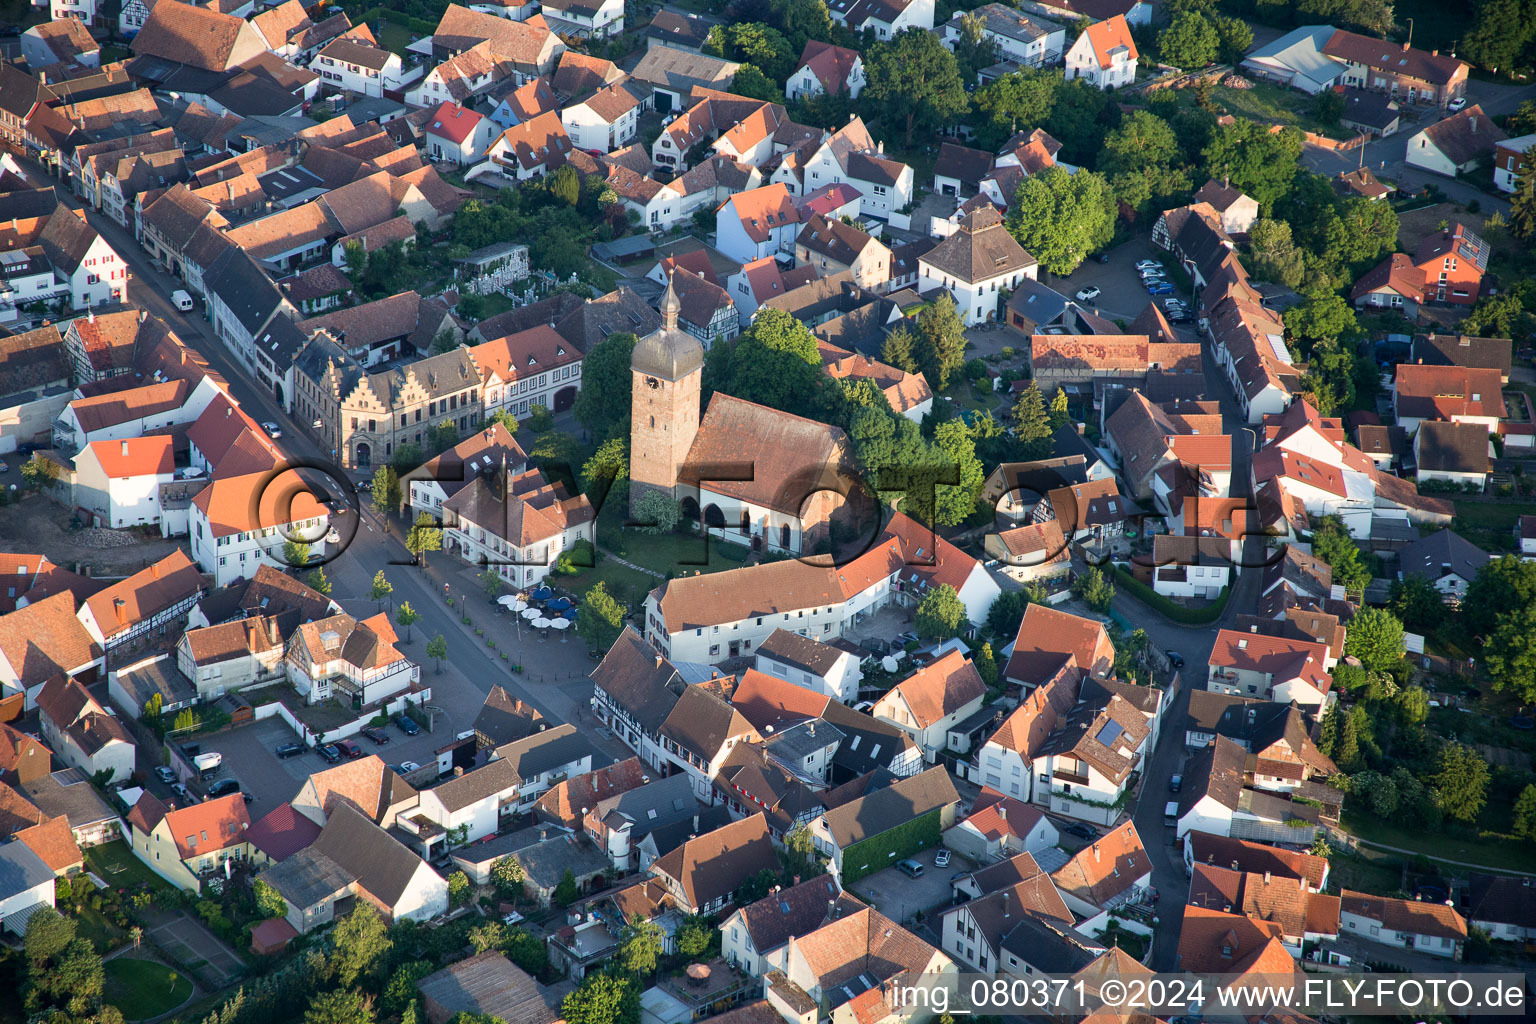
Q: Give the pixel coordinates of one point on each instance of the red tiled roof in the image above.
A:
(135, 456)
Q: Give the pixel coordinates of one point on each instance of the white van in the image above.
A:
(1171, 814)
(182, 300)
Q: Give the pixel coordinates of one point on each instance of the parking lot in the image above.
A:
(898, 897)
(1121, 294)
(250, 756)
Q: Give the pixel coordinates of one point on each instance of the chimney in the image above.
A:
(1472, 124)
(695, 823)
(90, 316)
(1434, 53)
(143, 315)
(154, 570)
(125, 447)
(1266, 877)
(1002, 812)
(1405, 47)
(1097, 856)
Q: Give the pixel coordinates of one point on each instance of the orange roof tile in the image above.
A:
(135, 456)
(243, 504)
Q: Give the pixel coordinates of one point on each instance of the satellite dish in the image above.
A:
(888, 663)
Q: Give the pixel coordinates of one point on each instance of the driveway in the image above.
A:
(898, 897)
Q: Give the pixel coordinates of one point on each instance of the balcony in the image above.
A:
(1070, 778)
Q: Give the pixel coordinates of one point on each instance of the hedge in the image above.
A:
(879, 852)
(420, 26)
(1166, 607)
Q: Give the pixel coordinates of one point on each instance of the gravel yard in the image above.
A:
(38, 524)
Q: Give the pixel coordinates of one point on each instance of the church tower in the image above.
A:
(665, 370)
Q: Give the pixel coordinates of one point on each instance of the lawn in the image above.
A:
(394, 38)
(90, 924)
(1462, 846)
(1270, 104)
(144, 988)
(1372, 871)
(1491, 524)
(116, 865)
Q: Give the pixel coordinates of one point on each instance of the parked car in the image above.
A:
(350, 748)
(407, 725)
(406, 767)
(378, 735)
(941, 858)
(1174, 658)
(1101, 257)
(865, 706)
(910, 868)
(183, 794)
(907, 638)
(224, 787)
(1456, 104)
(1148, 265)
(288, 750)
(1159, 288)
(273, 430)
(1173, 305)
(512, 917)
(1080, 829)
(1088, 294)
(1175, 783)
(165, 775)
(329, 752)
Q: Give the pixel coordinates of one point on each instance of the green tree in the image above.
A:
(955, 449)
(407, 457)
(565, 185)
(487, 936)
(386, 492)
(406, 616)
(1142, 139)
(940, 615)
(775, 362)
(400, 990)
(1275, 256)
(1460, 781)
(1417, 603)
(48, 934)
(381, 588)
(443, 436)
(974, 49)
(1328, 107)
(640, 946)
(1497, 316)
(425, 536)
(1011, 102)
(900, 349)
(601, 619)
(695, 936)
(437, 650)
(459, 889)
(1235, 38)
(986, 665)
(1096, 589)
(1260, 163)
(915, 80)
(1332, 543)
(567, 891)
(344, 1006)
(1500, 36)
(1509, 654)
(605, 470)
(527, 951)
(1347, 753)
(1189, 41)
(296, 553)
(750, 81)
(657, 512)
(1501, 585)
(1061, 218)
(1375, 637)
(602, 999)
(1413, 705)
(1081, 115)
(508, 877)
(1525, 813)
(1032, 423)
(760, 45)
(603, 403)
(39, 472)
(492, 583)
(941, 341)
(1324, 316)
(1061, 414)
(317, 581)
(360, 946)
(269, 902)
(802, 20)
(1522, 205)
(540, 419)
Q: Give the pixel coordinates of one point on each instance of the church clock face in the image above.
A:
(652, 383)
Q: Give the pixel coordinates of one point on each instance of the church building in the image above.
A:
(753, 475)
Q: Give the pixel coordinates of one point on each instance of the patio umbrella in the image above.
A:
(519, 605)
(542, 594)
(508, 601)
(561, 623)
(559, 604)
(541, 623)
(532, 613)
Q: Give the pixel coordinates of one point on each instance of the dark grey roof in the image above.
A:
(1049, 947)
(307, 877)
(799, 651)
(867, 744)
(143, 680)
(793, 912)
(380, 862)
(496, 777)
(71, 794)
(502, 719)
(673, 834)
(651, 806)
(546, 863)
(639, 680)
(885, 809)
(20, 870)
(1451, 447)
(536, 754)
(1441, 553)
(667, 353)
(1499, 899)
(1067, 441)
(244, 288)
(700, 723)
(1217, 772)
(504, 846)
(1458, 350)
(27, 203)
(282, 340)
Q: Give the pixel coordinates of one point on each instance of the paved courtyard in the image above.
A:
(898, 897)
